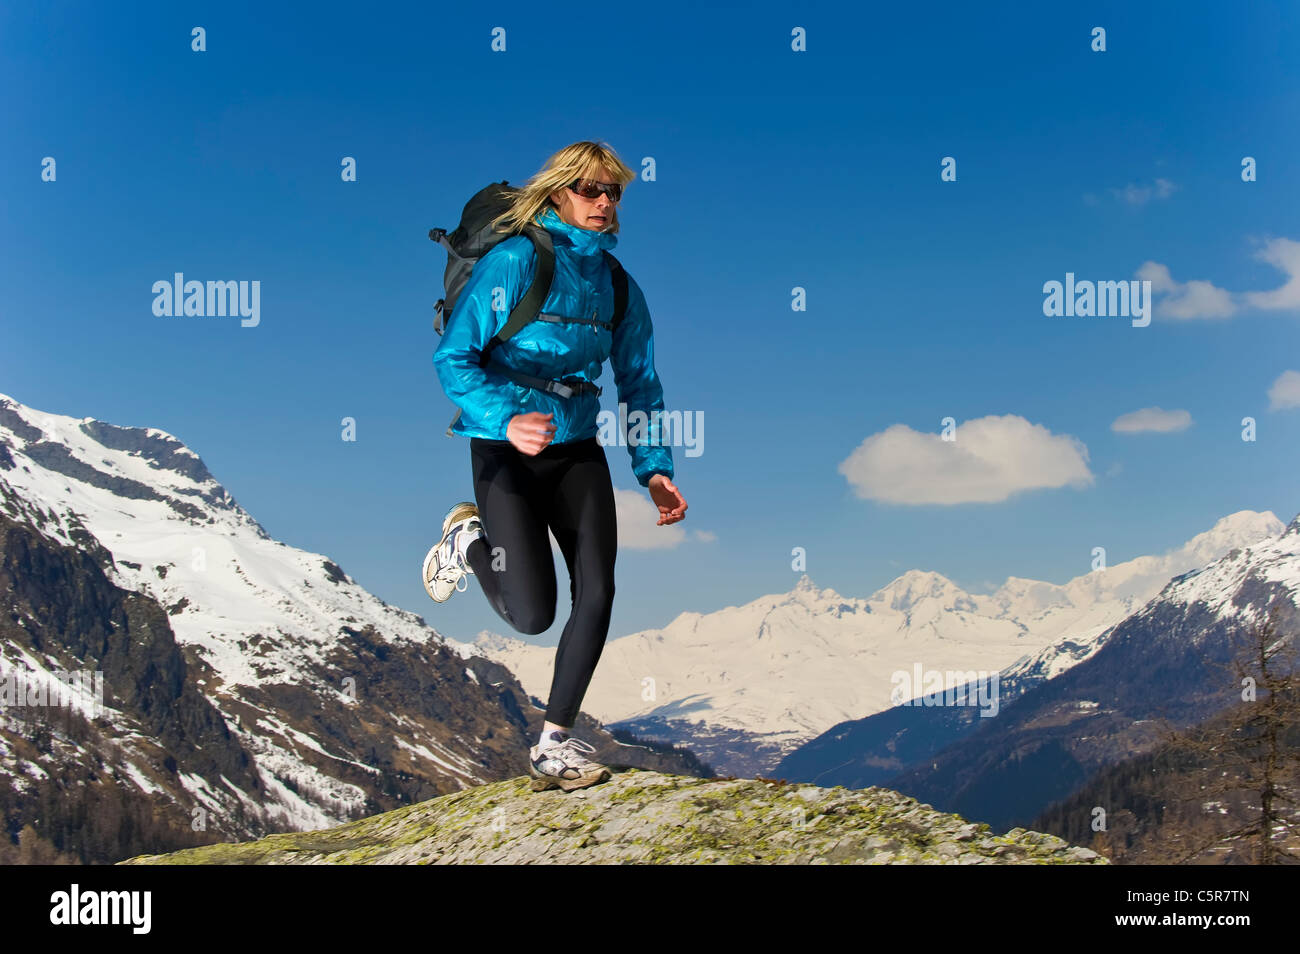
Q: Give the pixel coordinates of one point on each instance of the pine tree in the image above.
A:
(1250, 750)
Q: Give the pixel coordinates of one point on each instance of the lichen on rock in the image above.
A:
(650, 817)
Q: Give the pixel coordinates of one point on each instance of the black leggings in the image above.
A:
(567, 488)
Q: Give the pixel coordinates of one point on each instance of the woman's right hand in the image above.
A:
(530, 433)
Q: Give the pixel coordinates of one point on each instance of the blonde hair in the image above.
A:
(577, 161)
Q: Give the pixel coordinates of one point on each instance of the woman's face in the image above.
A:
(594, 214)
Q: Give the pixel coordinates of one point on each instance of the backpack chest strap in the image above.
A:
(564, 387)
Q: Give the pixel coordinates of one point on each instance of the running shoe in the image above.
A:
(564, 765)
(445, 565)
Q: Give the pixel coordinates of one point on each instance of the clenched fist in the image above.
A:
(530, 433)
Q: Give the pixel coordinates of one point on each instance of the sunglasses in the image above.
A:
(590, 188)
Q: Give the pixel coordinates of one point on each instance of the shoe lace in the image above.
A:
(454, 575)
(573, 750)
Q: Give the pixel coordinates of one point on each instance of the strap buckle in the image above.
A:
(567, 387)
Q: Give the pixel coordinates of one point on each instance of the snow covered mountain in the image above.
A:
(179, 536)
(863, 752)
(744, 686)
(1161, 662)
(120, 552)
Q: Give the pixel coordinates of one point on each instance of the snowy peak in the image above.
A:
(1242, 528)
(1026, 596)
(807, 592)
(132, 463)
(489, 642)
(159, 523)
(273, 635)
(158, 448)
(743, 685)
(1135, 581)
(1246, 580)
(915, 586)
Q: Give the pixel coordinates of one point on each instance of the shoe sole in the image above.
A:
(428, 584)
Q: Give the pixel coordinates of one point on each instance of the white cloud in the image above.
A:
(1202, 299)
(992, 458)
(1140, 195)
(638, 527)
(1194, 299)
(1284, 255)
(1285, 391)
(1149, 419)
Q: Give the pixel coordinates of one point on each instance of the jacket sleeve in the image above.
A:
(633, 361)
(488, 400)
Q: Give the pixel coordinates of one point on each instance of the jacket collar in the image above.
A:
(582, 241)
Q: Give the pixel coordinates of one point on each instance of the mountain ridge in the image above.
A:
(1158, 663)
(344, 705)
(745, 686)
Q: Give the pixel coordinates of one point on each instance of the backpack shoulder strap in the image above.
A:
(620, 288)
(533, 299)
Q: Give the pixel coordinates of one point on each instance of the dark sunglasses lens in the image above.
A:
(590, 188)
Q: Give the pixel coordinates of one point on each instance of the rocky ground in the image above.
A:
(641, 816)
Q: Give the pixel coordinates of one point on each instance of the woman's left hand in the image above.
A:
(671, 504)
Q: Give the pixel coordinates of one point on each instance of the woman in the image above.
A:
(535, 457)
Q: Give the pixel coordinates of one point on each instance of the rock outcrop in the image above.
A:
(247, 687)
(648, 817)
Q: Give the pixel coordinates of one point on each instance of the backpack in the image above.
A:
(471, 240)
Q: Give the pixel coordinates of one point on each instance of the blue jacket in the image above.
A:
(582, 286)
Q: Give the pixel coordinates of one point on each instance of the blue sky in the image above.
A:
(774, 169)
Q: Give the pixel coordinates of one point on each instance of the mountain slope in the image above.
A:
(333, 704)
(873, 750)
(1161, 807)
(744, 686)
(155, 732)
(1158, 663)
